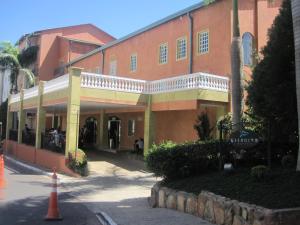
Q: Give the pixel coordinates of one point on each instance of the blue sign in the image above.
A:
(244, 139)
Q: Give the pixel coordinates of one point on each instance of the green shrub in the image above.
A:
(259, 172)
(178, 161)
(78, 162)
(288, 162)
(203, 128)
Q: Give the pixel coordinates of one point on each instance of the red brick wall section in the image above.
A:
(26, 153)
(52, 160)
(40, 157)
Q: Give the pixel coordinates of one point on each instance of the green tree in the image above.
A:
(236, 70)
(296, 22)
(9, 56)
(272, 90)
(8, 48)
(202, 127)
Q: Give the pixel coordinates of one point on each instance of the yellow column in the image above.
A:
(40, 116)
(100, 121)
(73, 110)
(21, 125)
(149, 126)
(9, 118)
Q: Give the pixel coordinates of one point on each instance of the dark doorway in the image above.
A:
(90, 131)
(114, 132)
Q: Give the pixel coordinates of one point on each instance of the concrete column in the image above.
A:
(21, 125)
(100, 118)
(73, 110)
(40, 116)
(149, 126)
(9, 119)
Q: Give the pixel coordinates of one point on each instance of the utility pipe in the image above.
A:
(191, 38)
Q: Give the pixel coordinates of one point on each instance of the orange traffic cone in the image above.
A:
(2, 180)
(53, 212)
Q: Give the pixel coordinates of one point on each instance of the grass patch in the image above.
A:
(281, 189)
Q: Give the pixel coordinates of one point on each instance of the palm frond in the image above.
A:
(29, 77)
(9, 60)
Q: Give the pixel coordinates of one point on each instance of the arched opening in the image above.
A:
(114, 132)
(248, 49)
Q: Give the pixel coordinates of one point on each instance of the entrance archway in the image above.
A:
(114, 132)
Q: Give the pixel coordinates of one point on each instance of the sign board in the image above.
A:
(244, 139)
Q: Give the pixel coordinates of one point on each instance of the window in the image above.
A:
(113, 67)
(203, 42)
(97, 70)
(248, 48)
(133, 62)
(131, 127)
(181, 49)
(163, 53)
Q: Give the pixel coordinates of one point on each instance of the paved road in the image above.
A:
(25, 200)
(120, 188)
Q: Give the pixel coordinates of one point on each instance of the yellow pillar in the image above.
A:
(40, 116)
(149, 126)
(9, 118)
(100, 128)
(21, 125)
(105, 131)
(73, 110)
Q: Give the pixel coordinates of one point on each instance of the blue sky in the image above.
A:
(117, 17)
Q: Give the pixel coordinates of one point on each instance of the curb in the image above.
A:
(32, 168)
(104, 219)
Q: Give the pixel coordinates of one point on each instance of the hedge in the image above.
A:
(178, 161)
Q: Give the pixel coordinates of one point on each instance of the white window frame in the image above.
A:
(97, 70)
(113, 67)
(163, 52)
(132, 128)
(133, 63)
(203, 44)
(179, 48)
(248, 50)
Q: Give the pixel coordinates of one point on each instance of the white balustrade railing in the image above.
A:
(56, 84)
(31, 92)
(90, 80)
(15, 98)
(185, 82)
(99, 81)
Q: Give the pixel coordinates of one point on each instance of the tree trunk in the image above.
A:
(296, 24)
(236, 70)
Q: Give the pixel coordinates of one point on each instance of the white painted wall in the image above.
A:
(4, 84)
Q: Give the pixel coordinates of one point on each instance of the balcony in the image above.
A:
(179, 83)
(217, 85)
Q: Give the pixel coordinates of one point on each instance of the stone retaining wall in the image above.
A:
(220, 210)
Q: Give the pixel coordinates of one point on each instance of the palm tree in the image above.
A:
(236, 70)
(9, 60)
(296, 25)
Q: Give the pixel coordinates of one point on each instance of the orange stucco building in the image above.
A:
(152, 83)
(256, 17)
(59, 46)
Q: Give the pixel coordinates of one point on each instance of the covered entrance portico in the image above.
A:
(113, 112)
